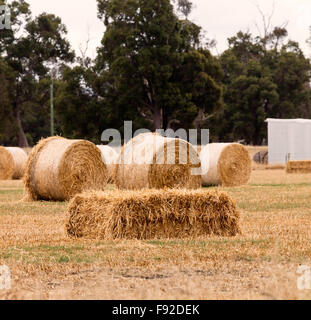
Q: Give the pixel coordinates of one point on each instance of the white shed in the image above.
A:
(289, 139)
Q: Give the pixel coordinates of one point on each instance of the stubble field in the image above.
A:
(259, 264)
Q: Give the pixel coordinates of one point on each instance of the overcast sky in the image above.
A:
(219, 18)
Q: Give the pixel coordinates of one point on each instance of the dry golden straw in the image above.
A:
(12, 163)
(6, 164)
(227, 164)
(275, 166)
(152, 213)
(20, 159)
(152, 161)
(298, 166)
(110, 158)
(58, 168)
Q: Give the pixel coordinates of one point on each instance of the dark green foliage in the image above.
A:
(30, 59)
(263, 79)
(153, 67)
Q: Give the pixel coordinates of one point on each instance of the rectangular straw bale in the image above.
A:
(298, 166)
(152, 214)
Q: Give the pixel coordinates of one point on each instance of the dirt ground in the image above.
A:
(259, 264)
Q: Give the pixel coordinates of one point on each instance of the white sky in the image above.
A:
(220, 19)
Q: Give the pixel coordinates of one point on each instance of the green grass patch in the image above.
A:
(261, 206)
(210, 242)
(35, 208)
(11, 191)
(282, 185)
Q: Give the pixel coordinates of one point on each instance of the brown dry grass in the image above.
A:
(259, 264)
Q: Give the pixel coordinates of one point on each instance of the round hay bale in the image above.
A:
(152, 161)
(58, 168)
(110, 158)
(227, 164)
(20, 160)
(6, 164)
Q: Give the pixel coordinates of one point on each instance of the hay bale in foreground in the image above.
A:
(58, 168)
(298, 166)
(227, 164)
(150, 214)
(152, 161)
(110, 158)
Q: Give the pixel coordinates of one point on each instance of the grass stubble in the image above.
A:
(260, 263)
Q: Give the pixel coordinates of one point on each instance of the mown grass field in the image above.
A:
(259, 264)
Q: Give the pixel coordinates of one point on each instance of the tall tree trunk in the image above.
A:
(256, 138)
(22, 139)
(199, 119)
(157, 118)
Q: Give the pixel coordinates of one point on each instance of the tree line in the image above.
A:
(154, 67)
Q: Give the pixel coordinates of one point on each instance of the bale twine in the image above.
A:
(20, 159)
(6, 164)
(152, 214)
(110, 158)
(152, 161)
(58, 168)
(298, 166)
(227, 164)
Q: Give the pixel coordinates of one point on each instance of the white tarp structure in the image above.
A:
(289, 139)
